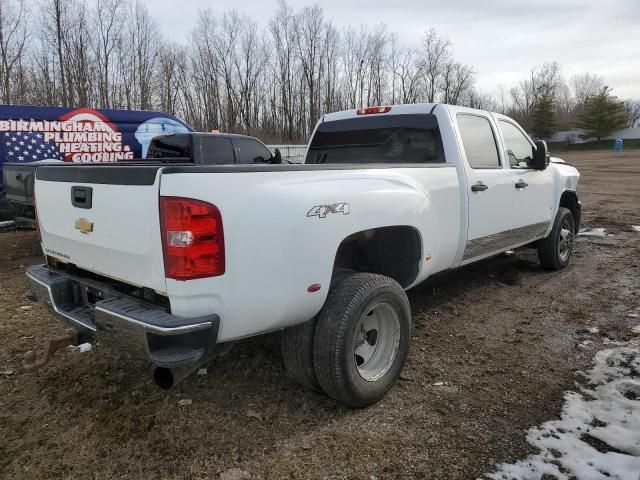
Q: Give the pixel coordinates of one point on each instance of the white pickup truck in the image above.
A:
(174, 262)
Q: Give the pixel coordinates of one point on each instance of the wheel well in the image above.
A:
(569, 200)
(391, 251)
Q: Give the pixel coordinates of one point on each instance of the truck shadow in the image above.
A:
(502, 270)
(252, 373)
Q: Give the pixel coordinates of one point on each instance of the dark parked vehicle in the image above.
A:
(31, 135)
(193, 148)
(212, 149)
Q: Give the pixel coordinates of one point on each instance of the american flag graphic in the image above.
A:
(29, 147)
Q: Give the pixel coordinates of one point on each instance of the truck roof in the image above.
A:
(395, 109)
(206, 134)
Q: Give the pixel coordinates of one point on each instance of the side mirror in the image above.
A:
(540, 155)
(277, 157)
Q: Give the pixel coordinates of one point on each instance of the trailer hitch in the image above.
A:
(29, 361)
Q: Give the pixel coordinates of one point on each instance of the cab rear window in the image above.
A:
(413, 138)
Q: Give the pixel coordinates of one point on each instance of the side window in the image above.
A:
(216, 150)
(169, 146)
(252, 151)
(518, 148)
(478, 141)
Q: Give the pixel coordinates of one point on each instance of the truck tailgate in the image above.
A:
(103, 219)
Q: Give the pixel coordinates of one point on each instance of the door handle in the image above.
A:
(479, 187)
(522, 184)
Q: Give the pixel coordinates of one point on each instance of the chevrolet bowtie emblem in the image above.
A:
(84, 225)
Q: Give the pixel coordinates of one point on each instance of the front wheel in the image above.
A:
(555, 251)
(362, 339)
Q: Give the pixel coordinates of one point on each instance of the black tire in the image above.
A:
(297, 353)
(297, 344)
(555, 251)
(334, 353)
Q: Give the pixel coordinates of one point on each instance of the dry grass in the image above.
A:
(502, 333)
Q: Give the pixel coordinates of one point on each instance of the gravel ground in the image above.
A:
(502, 340)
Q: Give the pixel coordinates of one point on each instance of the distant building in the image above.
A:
(573, 136)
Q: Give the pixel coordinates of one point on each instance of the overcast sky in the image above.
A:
(502, 39)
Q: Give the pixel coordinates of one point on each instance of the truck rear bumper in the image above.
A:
(122, 321)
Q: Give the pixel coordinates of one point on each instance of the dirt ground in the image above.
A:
(502, 334)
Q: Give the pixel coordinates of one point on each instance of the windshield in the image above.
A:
(378, 139)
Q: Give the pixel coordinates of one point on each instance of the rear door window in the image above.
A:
(410, 138)
(478, 140)
(170, 146)
(215, 150)
(252, 151)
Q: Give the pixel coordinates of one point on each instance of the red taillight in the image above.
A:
(192, 238)
(372, 110)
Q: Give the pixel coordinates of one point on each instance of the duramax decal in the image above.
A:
(57, 254)
(321, 211)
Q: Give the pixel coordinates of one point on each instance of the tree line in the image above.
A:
(545, 103)
(235, 75)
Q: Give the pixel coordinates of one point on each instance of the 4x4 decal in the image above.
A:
(321, 211)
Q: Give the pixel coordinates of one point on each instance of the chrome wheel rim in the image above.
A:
(376, 341)
(565, 243)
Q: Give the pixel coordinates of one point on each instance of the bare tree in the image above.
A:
(474, 98)
(108, 23)
(170, 65)
(78, 62)
(354, 54)
(13, 37)
(54, 31)
(586, 85)
(409, 76)
(456, 80)
(434, 57)
(633, 110)
(236, 76)
(310, 44)
(143, 44)
(284, 102)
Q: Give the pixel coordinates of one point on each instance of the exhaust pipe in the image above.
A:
(167, 378)
(163, 378)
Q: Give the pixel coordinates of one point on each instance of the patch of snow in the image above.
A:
(605, 413)
(82, 348)
(635, 228)
(636, 329)
(594, 330)
(440, 384)
(633, 315)
(593, 232)
(7, 224)
(509, 252)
